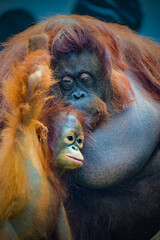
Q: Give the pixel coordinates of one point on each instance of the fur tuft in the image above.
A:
(25, 95)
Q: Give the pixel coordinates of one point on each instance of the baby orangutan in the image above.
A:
(65, 144)
(33, 148)
(70, 139)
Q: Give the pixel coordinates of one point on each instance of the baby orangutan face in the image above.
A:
(69, 144)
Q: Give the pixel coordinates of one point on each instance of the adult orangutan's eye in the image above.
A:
(86, 78)
(67, 82)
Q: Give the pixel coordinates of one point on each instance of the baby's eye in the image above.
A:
(80, 141)
(69, 138)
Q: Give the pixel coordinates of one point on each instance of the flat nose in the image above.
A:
(74, 147)
(78, 95)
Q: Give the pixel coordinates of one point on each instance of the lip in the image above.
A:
(75, 159)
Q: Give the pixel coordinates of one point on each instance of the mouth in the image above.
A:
(77, 104)
(77, 160)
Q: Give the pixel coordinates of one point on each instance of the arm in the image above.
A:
(122, 146)
(62, 230)
(7, 232)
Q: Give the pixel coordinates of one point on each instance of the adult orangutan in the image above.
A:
(38, 145)
(111, 74)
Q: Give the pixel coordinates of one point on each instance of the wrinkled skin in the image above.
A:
(116, 194)
(128, 140)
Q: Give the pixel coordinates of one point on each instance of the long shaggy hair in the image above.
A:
(125, 50)
(24, 116)
(118, 49)
(29, 113)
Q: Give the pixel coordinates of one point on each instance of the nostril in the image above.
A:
(74, 147)
(78, 95)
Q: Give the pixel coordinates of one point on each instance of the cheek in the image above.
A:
(67, 94)
(59, 146)
(63, 162)
(100, 88)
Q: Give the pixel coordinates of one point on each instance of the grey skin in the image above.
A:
(125, 142)
(123, 145)
(118, 185)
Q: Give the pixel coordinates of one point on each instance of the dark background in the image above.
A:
(16, 15)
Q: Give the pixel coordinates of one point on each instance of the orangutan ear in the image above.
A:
(38, 42)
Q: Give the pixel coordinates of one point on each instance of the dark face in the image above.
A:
(81, 79)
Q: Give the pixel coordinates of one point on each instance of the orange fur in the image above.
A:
(22, 112)
(127, 49)
(122, 91)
